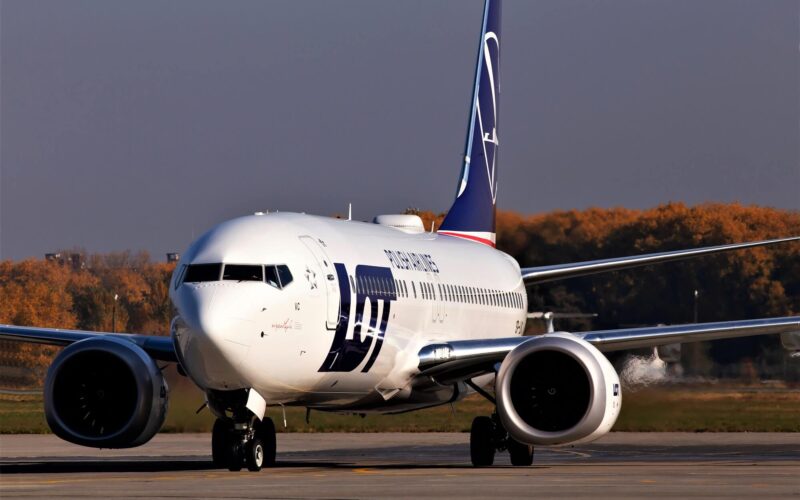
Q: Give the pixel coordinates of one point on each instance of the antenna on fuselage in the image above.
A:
(349, 211)
(433, 223)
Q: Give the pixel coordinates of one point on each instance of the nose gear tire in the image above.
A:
(220, 438)
(254, 455)
(265, 432)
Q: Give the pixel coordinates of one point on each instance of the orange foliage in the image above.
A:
(53, 294)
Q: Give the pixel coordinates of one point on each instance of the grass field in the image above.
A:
(695, 408)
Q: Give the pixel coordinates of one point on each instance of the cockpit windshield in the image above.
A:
(196, 273)
(238, 272)
(276, 275)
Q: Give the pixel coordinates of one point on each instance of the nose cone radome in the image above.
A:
(215, 339)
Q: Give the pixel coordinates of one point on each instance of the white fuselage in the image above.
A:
(345, 332)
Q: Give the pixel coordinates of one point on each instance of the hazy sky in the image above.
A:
(138, 124)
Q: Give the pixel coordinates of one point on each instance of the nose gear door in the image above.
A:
(328, 280)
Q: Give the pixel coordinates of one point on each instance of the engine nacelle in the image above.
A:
(791, 342)
(105, 392)
(557, 389)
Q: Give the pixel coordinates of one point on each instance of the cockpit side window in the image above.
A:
(271, 276)
(197, 273)
(243, 272)
(285, 275)
(179, 277)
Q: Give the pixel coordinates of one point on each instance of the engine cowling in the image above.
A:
(791, 342)
(105, 392)
(557, 389)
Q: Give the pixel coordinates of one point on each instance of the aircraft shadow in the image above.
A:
(44, 466)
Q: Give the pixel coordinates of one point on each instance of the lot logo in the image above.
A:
(373, 285)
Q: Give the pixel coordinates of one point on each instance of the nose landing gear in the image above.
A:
(237, 444)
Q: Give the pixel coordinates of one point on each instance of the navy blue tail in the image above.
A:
(472, 215)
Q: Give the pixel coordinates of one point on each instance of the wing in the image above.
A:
(463, 359)
(543, 274)
(159, 348)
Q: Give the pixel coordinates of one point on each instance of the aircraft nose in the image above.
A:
(213, 344)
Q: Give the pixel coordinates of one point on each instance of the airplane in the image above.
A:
(385, 317)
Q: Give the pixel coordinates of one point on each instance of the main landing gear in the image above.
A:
(487, 436)
(237, 444)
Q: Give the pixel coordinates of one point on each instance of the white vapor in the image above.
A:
(644, 370)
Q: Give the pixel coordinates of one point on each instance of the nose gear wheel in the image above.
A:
(235, 446)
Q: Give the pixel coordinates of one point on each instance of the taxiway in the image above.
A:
(409, 465)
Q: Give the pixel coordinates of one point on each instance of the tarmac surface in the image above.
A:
(759, 465)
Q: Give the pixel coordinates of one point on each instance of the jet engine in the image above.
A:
(557, 389)
(791, 342)
(105, 392)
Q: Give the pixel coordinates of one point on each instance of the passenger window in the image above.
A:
(285, 275)
(414, 289)
(197, 273)
(271, 276)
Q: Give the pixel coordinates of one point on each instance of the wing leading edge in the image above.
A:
(159, 348)
(543, 274)
(460, 360)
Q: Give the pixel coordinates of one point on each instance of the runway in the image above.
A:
(409, 465)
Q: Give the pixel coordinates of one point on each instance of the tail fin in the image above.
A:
(472, 215)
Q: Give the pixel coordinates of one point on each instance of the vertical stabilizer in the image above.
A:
(472, 215)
